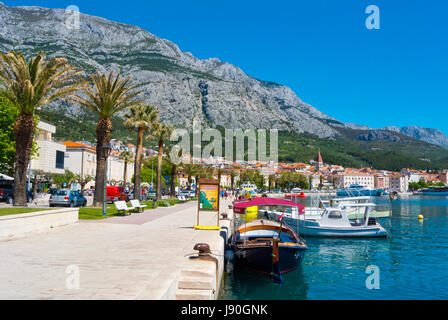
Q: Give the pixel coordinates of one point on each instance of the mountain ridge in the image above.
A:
(185, 87)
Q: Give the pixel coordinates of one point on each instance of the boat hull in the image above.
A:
(260, 258)
(313, 228)
(355, 232)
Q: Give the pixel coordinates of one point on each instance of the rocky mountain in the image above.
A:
(183, 86)
(383, 135)
(429, 135)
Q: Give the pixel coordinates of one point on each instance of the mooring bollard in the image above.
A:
(204, 254)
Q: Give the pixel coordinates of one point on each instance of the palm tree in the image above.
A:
(126, 157)
(141, 118)
(233, 174)
(219, 173)
(174, 171)
(189, 169)
(28, 86)
(161, 132)
(271, 180)
(108, 96)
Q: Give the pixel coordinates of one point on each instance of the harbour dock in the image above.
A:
(142, 256)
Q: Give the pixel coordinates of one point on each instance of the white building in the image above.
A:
(51, 155)
(80, 158)
(413, 175)
(115, 169)
(399, 183)
(346, 180)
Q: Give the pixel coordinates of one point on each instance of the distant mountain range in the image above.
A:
(184, 87)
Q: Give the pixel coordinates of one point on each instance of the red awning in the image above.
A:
(239, 207)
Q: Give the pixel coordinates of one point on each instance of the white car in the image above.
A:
(296, 190)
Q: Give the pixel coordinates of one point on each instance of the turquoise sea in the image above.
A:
(413, 263)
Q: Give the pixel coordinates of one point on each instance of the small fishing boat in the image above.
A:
(334, 221)
(318, 206)
(266, 246)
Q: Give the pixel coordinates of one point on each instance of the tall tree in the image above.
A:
(28, 86)
(271, 178)
(189, 169)
(108, 95)
(233, 174)
(219, 173)
(8, 114)
(174, 171)
(161, 132)
(140, 118)
(127, 157)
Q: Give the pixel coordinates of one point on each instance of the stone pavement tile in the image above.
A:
(116, 261)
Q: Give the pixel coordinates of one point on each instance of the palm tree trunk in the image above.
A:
(173, 180)
(189, 182)
(23, 134)
(196, 178)
(35, 186)
(125, 174)
(159, 170)
(137, 167)
(103, 131)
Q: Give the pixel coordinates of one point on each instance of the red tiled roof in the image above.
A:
(71, 144)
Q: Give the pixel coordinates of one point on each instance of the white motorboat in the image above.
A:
(333, 221)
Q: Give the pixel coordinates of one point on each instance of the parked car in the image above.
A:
(7, 194)
(184, 193)
(296, 190)
(68, 198)
(187, 193)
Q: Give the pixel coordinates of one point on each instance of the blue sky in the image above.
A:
(321, 49)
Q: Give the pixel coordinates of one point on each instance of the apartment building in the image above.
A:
(80, 158)
(399, 183)
(345, 180)
(381, 181)
(51, 155)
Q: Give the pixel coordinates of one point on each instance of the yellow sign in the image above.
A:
(208, 197)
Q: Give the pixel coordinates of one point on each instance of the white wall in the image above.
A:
(46, 160)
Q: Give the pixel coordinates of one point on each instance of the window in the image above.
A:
(60, 159)
(335, 215)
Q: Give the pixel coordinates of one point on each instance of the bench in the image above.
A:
(122, 207)
(136, 204)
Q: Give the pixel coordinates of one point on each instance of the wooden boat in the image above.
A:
(269, 247)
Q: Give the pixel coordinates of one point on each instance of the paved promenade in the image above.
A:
(134, 257)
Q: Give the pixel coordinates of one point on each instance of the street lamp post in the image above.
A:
(107, 148)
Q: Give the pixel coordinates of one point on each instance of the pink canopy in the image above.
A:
(240, 206)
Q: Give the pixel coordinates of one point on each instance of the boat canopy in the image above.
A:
(240, 206)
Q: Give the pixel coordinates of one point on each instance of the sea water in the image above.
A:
(412, 264)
